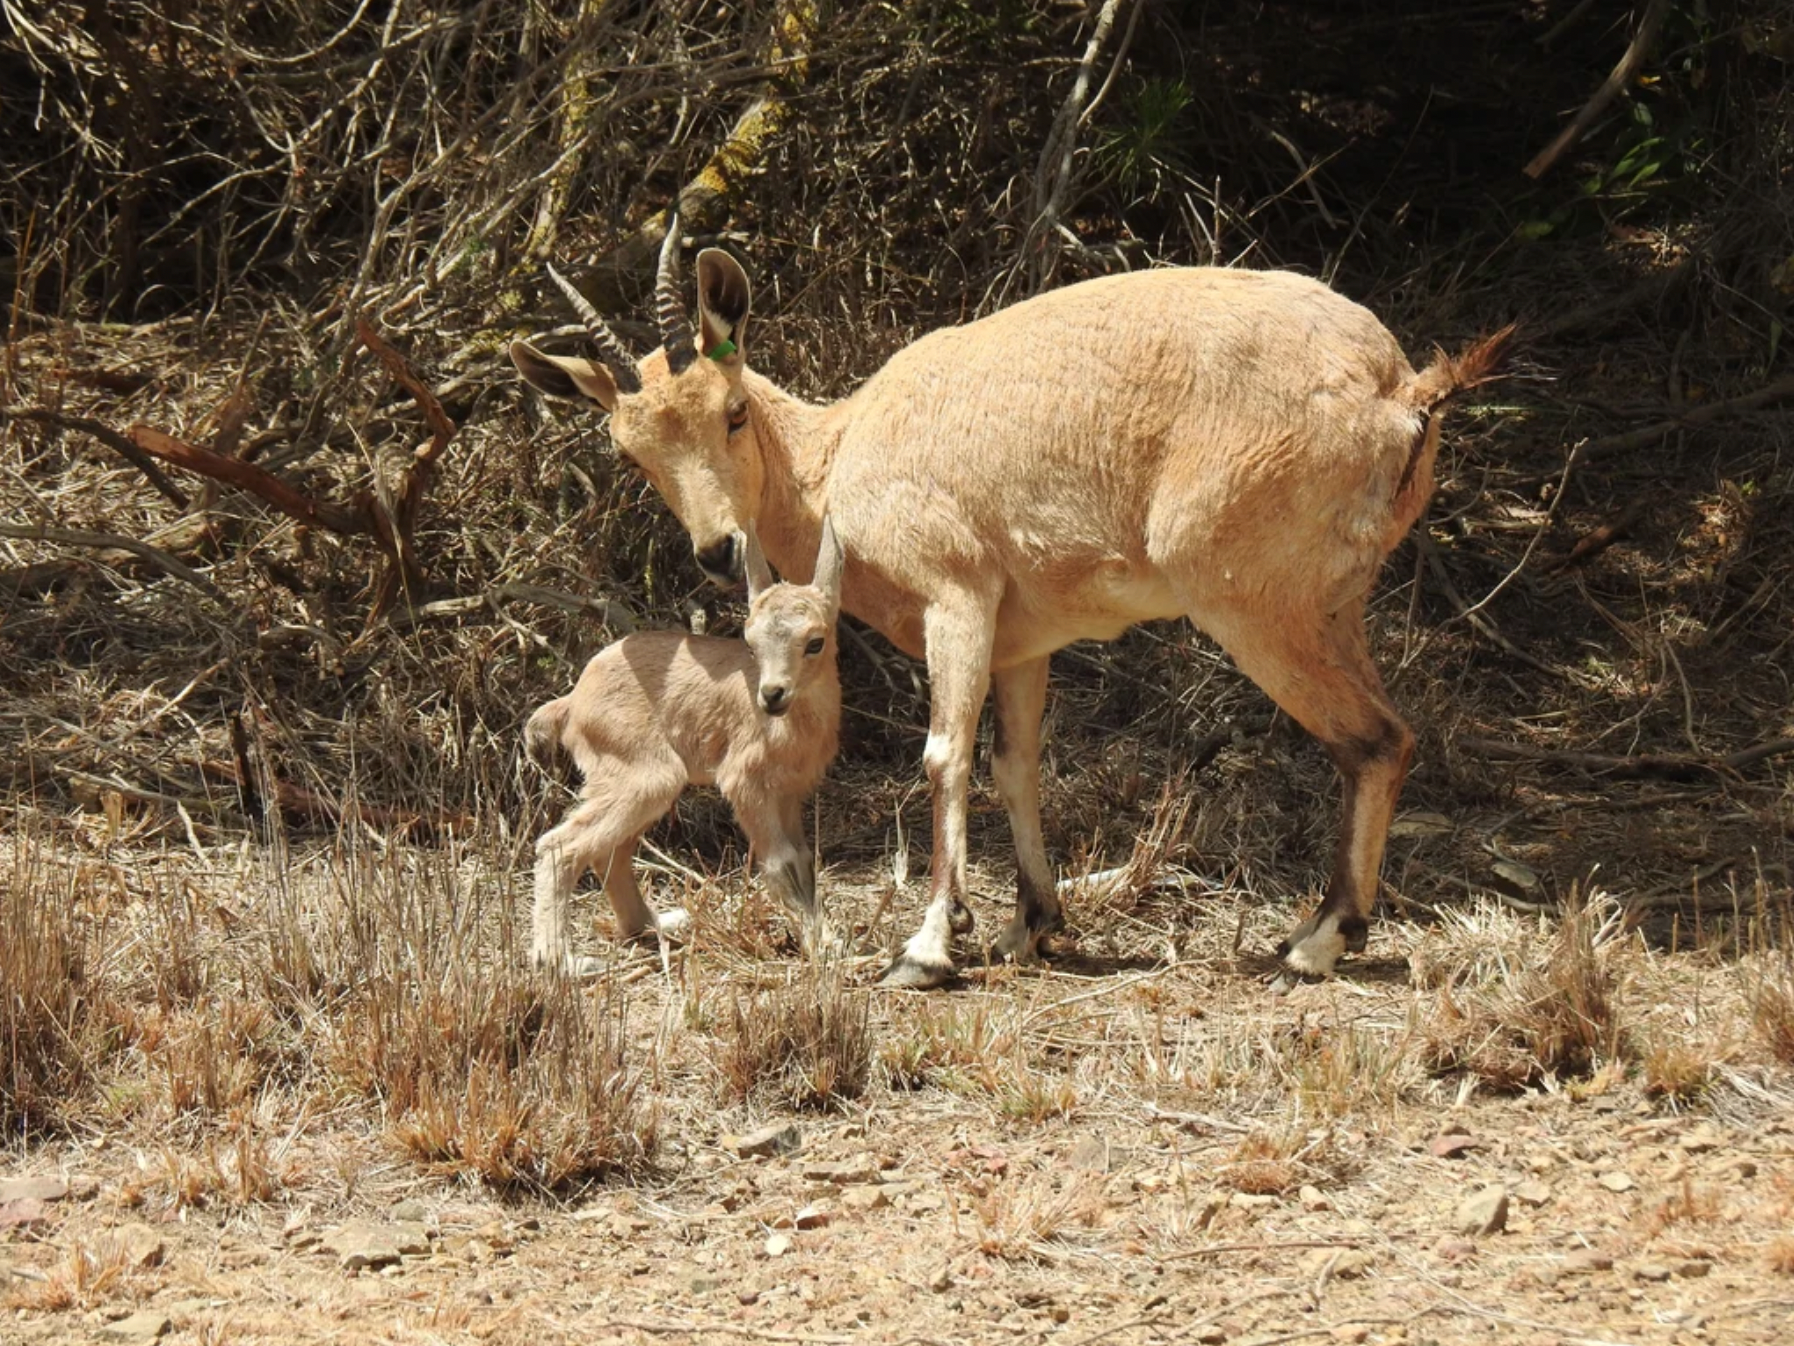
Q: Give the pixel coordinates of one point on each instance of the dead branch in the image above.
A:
(1635, 54)
(303, 805)
(1693, 419)
(406, 572)
(1424, 542)
(258, 481)
(1671, 766)
(158, 558)
(123, 447)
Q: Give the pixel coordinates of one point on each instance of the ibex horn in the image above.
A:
(675, 324)
(620, 362)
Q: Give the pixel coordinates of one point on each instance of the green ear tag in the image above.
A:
(723, 349)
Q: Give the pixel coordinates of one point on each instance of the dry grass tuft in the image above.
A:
(1772, 1003)
(1688, 1204)
(1263, 1164)
(508, 1077)
(1780, 1255)
(89, 1275)
(934, 1040)
(1020, 1222)
(1541, 1013)
(1676, 1070)
(807, 1044)
(46, 1051)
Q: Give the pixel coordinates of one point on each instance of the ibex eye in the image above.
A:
(738, 418)
(815, 646)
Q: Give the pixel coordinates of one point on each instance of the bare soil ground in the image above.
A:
(1142, 1144)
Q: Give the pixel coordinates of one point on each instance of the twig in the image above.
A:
(110, 438)
(1636, 52)
(1672, 766)
(1261, 1247)
(154, 555)
(1424, 542)
(1693, 419)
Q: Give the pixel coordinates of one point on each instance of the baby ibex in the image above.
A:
(660, 710)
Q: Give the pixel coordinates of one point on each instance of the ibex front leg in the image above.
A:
(958, 647)
(775, 829)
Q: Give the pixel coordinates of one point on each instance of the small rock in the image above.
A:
(813, 1216)
(1694, 1268)
(745, 1297)
(1745, 1169)
(1351, 1332)
(1702, 1139)
(1312, 1198)
(1251, 1201)
(1483, 1213)
(361, 1245)
(868, 1196)
(411, 1211)
(1059, 1313)
(1453, 1145)
(1617, 1181)
(32, 1189)
(1209, 1336)
(1650, 1271)
(778, 1245)
(1454, 1249)
(862, 1169)
(140, 1245)
(26, 1213)
(778, 1138)
(703, 1285)
(1340, 1264)
(941, 1279)
(1583, 1261)
(1090, 1154)
(1532, 1193)
(144, 1325)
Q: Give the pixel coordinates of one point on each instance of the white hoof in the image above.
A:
(1315, 946)
(674, 923)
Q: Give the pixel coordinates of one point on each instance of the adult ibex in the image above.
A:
(1239, 447)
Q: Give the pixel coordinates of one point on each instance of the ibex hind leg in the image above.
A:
(1020, 696)
(1320, 671)
(592, 833)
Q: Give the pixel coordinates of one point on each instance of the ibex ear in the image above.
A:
(759, 574)
(724, 300)
(565, 375)
(831, 559)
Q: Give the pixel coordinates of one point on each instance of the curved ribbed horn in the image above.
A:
(620, 362)
(675, 324)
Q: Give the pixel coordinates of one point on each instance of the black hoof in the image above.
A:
(960, 919)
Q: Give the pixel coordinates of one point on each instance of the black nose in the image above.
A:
(721, 561)
(776, 699)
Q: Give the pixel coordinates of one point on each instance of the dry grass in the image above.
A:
(807, 1044)
(47, 1053)
(1031, 1219)
(1513, 1017)
(88, 1275)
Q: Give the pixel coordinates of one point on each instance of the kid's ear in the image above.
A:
(759, 574)
(565, 375)
(724, 301)
(831, 560)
